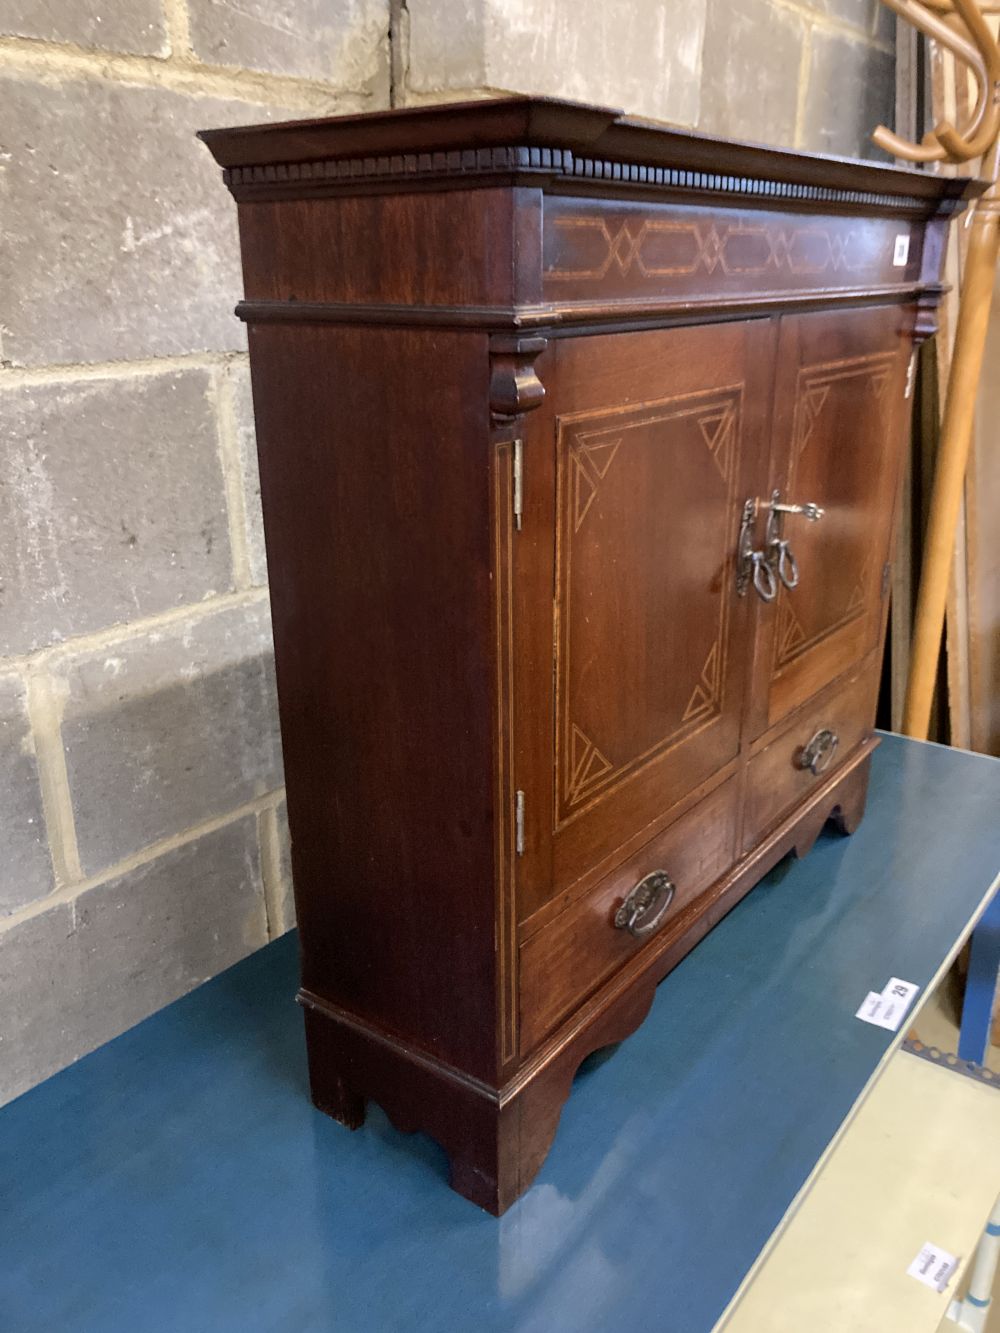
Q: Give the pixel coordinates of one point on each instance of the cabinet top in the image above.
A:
(528, 139)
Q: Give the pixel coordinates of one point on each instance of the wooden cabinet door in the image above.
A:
(630, 647)
(839, 413)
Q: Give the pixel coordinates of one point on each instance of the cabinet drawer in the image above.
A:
(567, 959)
(778, 777)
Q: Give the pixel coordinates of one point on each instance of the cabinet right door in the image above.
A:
(838, 422)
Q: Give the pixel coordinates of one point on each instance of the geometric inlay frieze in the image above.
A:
(663, 248)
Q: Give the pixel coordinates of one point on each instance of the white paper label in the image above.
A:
(901, 250)
(888, 1009)
(871, 1008)
(933, 1266)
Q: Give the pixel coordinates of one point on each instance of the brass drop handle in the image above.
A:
(763, 577)
(817, 753)
(753, 566)
(788, 566)
(646, 906)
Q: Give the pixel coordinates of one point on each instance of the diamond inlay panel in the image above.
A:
(842, 413)
(646, 521)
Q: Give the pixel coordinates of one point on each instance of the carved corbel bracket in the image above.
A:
(514, 386)
(926, 324)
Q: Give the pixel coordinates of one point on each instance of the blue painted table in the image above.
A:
(178, 1178)
(981, 986)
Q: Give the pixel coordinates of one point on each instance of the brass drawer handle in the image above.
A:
(645, 908)
(817, 753)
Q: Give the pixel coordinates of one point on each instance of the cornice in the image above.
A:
(558, 145)
(558, 168)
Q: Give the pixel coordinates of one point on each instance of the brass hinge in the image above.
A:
(911, 374)
(518, 483)
(519, 823)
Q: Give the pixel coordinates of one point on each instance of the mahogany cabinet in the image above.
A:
(579, 444)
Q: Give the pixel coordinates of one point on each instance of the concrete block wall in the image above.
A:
(812, 74)
(143, 839)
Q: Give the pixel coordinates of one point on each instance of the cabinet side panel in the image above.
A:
(375, 485)
(387, 248)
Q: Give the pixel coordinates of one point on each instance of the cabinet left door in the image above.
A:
(629, 646)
